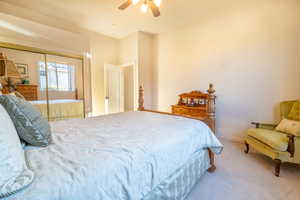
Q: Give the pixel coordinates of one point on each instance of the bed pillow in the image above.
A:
(295, 112)
(17, 94)
(289, 126)
(14, 173)
(29, 122)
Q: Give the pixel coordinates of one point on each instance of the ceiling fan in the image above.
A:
(153, 4)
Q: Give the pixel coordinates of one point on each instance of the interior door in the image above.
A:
(114, 83)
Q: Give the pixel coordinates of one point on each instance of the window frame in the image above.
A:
(70, 71)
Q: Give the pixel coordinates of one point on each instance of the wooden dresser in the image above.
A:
(197, 105)
(30, 92)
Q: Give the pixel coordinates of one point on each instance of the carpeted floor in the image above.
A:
(241, 176)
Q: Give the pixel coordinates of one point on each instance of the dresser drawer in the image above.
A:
(178, 110)
(28, 91)
(25, 89)
(189, 111)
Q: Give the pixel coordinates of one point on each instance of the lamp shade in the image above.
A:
(7, 68)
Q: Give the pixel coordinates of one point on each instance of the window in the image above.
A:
(60, 76)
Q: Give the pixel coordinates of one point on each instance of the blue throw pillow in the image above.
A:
(29, 122)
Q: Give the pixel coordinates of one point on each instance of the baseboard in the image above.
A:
(232, 139)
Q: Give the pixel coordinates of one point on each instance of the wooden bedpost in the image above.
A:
(212, 161)
(141, 99)
(211, 107)
(211, 110)
(210, 119)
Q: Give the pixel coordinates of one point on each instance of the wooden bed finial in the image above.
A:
(141, 99)
(211, 89)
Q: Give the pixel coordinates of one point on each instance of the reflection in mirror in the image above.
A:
(28, 83)
(64, 98)
(65, 87)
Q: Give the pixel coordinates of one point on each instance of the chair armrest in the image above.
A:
(291, 144)
(264, 126)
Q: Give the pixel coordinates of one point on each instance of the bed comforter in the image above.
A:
(115, 157)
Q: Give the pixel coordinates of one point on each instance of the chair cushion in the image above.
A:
(295, 112)
(274, 139)
(289, 126)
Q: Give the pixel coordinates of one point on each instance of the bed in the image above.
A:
(140, 155)
(60, 109)
(101, 158)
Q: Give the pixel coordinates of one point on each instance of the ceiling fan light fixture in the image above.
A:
(158, 2)
(153, 5)
(144, 7)
(134, 2)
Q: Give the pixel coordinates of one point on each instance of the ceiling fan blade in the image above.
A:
(154, 9)
(125, 5)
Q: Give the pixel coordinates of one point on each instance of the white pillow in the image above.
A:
(14, 173)
(289, 126)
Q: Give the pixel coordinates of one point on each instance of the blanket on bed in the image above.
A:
(115, 157)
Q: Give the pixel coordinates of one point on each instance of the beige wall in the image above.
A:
(252, 55)
(104, 50)
(128, 88)
(128, 49)
(146, 66)
(128, 55)
(137, 48)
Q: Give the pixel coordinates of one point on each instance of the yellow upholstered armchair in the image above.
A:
(280, 144)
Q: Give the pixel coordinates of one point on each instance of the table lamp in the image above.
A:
(8, 73)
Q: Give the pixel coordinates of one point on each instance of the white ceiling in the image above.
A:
(102, 16)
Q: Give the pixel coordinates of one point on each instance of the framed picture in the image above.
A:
(23, 69)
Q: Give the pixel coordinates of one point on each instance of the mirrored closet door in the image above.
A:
(52, 84)
(65, 87)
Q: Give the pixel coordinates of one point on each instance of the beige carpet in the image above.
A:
(241, 176)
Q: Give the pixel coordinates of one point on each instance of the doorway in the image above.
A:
(119, 88)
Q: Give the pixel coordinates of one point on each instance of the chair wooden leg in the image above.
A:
(277, 167)
(247, 147)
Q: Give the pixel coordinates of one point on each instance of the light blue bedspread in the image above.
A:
(115, 157)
